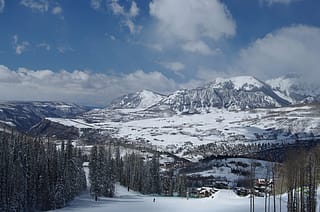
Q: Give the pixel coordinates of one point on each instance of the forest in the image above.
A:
(37, 174)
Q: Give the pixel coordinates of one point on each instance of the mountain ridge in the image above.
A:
(236, 93)
(23, 115)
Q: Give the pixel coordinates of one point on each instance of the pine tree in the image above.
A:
(33, 174)
(155, 175)
(93, 173)
(182, 185)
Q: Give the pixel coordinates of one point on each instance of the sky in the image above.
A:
(92, 51)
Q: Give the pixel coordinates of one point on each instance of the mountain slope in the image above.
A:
(239, 93)
(139, 100)
(294, 90)
(24, 115)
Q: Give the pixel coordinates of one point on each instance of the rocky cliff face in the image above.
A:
(236, 93)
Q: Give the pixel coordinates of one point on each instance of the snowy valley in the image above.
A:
(206, 138)
(225, 117)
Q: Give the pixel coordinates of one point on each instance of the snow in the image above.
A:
(224, 200)
(219, 126)
(148, 98)
(222, 169)
(9, 123)
(281, 84)
(124, 200)
(287, 87)
(78, 123)
(139, 100)
(241, 82)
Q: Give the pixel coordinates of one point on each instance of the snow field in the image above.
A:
(224, 200)
(183, 132)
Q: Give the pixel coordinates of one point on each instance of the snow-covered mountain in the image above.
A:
(24, 115)
(294, 90)
(187, 123)
(238, 93)
(139, 100)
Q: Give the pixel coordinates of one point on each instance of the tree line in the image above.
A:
(36, 174)
(299, 176)
(134, 171)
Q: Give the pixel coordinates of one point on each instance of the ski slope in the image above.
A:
(124, 201)
(224, 200)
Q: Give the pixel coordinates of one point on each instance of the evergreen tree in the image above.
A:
(182, 185)
(155, 175)
(93, 171)
(34, 175)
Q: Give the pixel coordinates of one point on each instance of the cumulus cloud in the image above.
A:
(270, 2)
(19, 47)
(36, 5)
(191, 22)
(78, 86)
(127, 16)
(294, 49)
(2, 5)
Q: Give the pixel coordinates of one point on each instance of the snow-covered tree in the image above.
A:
(35, 175)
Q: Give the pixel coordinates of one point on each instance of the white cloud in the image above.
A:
(134, 10)
(294, 49)
(198, 47)
(43, 6)
(19, 47)
(36, 5)
(270, 2)
(78, 86)
(116, 8)
(174, 66)
(133, 28)
(127, 16)
(2, 5)
(95, 4)
(44, 45)
(57, 10)
(191, 22)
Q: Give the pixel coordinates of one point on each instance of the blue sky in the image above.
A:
(91, 51)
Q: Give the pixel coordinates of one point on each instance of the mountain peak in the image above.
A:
(246, 83)
(149, 98)
(138, 100)
(295, 89)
